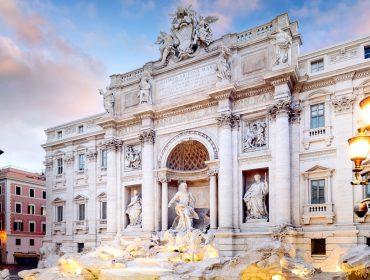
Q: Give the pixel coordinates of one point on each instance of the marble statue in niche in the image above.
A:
(255, 135)
(133, 157)
(134, 209)
(254, 199)
(184, 208)
(108, 100)
(145, 86)
(282, 45)
(223, 68)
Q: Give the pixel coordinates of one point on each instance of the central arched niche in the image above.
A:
(188, 156)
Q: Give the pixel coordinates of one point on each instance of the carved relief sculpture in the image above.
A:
(188, 32)
(223, 68)
(145, 92)
(133, 157)
(254, 199)
(255, 135)
(109, 100)
(134, 210)
(282, 45)
(184, 208)
(343, 104)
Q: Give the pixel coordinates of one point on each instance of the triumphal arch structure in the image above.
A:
(256, 130)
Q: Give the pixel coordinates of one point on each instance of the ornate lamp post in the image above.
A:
(359, 147)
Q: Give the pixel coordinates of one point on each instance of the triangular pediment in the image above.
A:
(58, 199)
(102, 195)
(318, 168)
(80, 197)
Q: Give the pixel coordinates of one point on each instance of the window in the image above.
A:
(17, 241)
(43, 210)
(368, 241)
(43, 225)
(32, 242)
(103, 210)
(59, 213)
(60, 165)
(32, 227)
(318, 247)
(18, 226)
(1, 207)
(317, 66)
(59, 134)
(32, 193)
(80, 247)
(367, 52)
(81, 212)
(103, 159)
(1, 225)
(81, 162)
(317, 116)
(43, 194)
(80, 129)
(18, 207)
(18, 190)
(31, 209)
(1, 189)
(317, 191)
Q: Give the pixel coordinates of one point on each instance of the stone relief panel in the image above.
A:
(256, 195)
(132, 157)
(130, 99)
(254, 62)
(255, 135)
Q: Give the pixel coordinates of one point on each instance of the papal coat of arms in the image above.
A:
(189, 32)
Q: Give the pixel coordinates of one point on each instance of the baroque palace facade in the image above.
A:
(256, 130)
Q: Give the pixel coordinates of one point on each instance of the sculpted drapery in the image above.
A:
(254, 199)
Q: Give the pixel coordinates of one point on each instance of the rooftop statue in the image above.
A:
(189, 31)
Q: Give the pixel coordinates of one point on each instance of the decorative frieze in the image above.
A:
(343, 104)
(147, 136)
(132, 157)
(255, 135)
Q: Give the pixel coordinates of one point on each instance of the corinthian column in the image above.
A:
(280, 111)
(147, 139)
(91, 208)
(225, 177)
(112, 145)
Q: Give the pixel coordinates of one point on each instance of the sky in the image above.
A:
(54, 55)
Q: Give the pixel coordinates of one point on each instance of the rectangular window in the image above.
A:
(43, 225)
(81, 212)
(368, 241)
(317, 66)
(32, 193)
(1, 225)
(103, 162)
(80, 247)
(1, 208)
(32, 227)
(81, 162)
(317, 116)
(18, 208)
(318, 246)
(18, 226)
(60, 165)
(59, 134)
(367, 188)
(18, 190)
(367, 52)
(317, 191)
(80, 129)
(1, 189)
(32, 242)
(31, 209)
(103, 212)
(43, 210)
(43, 194)
(18, 241)
(59, 213)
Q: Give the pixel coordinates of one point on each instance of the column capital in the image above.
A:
(91, 155)
(228, 119)
(69, 158)
(147, 136)
(212, 172)
(112, 144)
(343, 104)
(279, 107)
(163, 179)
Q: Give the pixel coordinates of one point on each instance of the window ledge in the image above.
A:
(317, 135)
(318, 211)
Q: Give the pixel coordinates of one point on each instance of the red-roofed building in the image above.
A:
(22, 215)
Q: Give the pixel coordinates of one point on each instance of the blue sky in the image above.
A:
(54, 55)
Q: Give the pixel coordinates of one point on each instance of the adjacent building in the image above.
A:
(256, 129)
(22, 215)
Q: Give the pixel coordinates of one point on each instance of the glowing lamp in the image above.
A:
(359, 149)
(365, 110)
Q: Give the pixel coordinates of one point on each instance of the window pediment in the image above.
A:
(80, 198)
(58, 200)
(318, 170)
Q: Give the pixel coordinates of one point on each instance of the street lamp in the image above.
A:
(359, 147)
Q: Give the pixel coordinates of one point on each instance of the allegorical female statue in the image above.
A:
(134, 210)
(145, 92)
(254, 199)
(184, 208)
